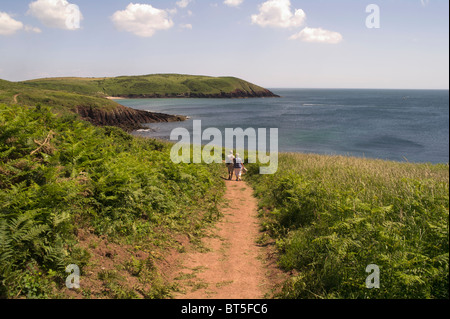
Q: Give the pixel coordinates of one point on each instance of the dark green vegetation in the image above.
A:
(332, 216)
(60, 177)
(158, 85)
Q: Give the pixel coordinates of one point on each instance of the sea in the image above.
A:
(397, 125)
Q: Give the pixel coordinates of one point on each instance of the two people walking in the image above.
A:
(235, 165)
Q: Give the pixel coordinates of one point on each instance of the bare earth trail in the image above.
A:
(231, 265)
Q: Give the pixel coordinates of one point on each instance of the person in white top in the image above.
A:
(230, 165)
(238, 166)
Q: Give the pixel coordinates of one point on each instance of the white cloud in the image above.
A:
(142, 19)
(56, 14)
(318, 35)
(233, 3)
(173, 11)
(8, 25)
(186, 26)
(278, 13)
(183, 3)
(29, 28)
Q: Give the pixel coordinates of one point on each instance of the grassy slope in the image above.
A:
(332, 216)
(162, 84)
(60, 101)
(91, 107)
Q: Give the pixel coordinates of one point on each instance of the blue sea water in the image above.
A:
(399, 125)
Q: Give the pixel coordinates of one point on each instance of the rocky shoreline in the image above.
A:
(232, 95)
(124, 117)
(130, 119)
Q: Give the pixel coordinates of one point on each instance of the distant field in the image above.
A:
(68, 93)
(158, 85)
(91, 107)
(59, 100)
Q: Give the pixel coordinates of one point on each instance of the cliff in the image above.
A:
(237, 94)
(126, 118)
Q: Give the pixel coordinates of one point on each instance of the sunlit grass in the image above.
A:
(332, 216)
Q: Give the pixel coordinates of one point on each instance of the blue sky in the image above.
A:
(273, 43)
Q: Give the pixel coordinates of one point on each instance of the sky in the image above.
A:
(393, 44)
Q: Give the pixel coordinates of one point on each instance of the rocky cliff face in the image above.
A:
(130, 119)
(124, 117)
(233, 95)
(237, 94)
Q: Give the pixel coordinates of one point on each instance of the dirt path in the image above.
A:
(15, 98)
(231, 265)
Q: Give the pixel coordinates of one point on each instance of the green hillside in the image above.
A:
(89, 106)
(59, 100)
(157, 85)
(87, 97)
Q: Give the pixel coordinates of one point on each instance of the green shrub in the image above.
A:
(59, 174)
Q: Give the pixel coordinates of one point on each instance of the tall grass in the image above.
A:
(332, 216)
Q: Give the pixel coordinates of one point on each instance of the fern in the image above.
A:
(103, 179)
(19, 233)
